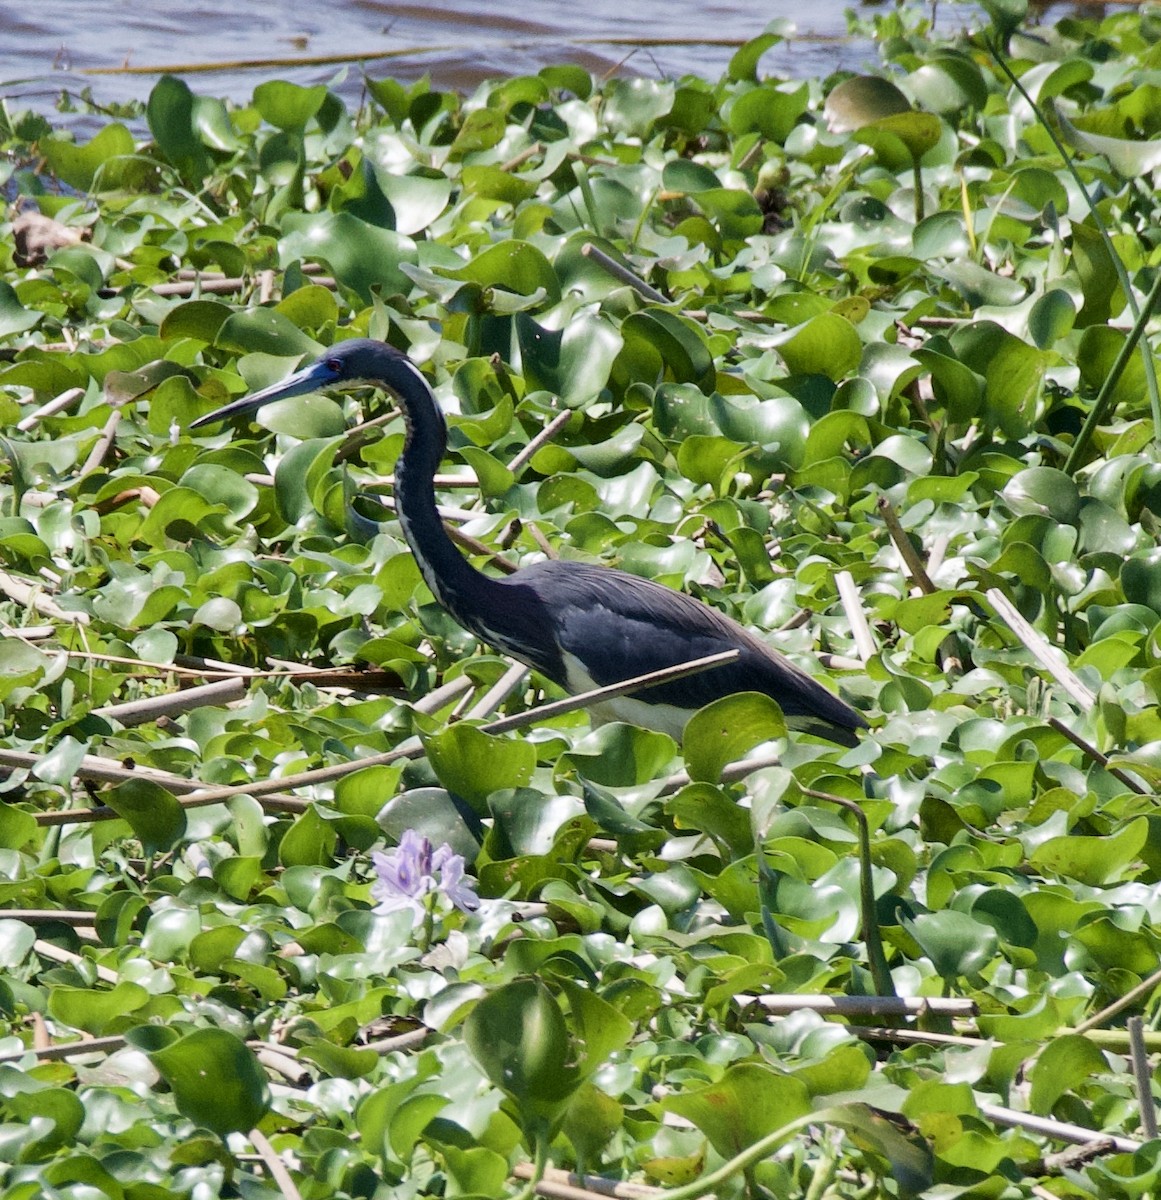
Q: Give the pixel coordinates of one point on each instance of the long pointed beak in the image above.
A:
(310, 379)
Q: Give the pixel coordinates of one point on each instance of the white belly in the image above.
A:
(666, 718)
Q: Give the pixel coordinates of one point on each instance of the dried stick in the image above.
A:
(266, 791)
(56, 954)
(33, 597)
(611, 267)
(55, 405)
(103, 443)
(274, 1165)
(563, 1185)
(525, 453)
(498, 692)
(1143, 1077)
(138, 712)
(1097, 757)
(1049, 657)
(913, 1037)
(45, 916)
(1060, 1131)
(1130, 997)
(101, 1045)
(861, 1006)
(860, 630)
(907, 551)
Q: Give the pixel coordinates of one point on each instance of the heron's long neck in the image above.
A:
(465, 592)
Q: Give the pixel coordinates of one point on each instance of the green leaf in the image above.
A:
(473, 764)
(748, 1102)
(286, 105)
(1063, 1065)
(956, 944)
(152, 811)
(726, 730)
(1092, 860)
(519, 1037)
(215, 1080)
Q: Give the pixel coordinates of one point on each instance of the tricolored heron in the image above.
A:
(581, 625)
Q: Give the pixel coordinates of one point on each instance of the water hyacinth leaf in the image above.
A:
(416, 199)
(1092, 860)
(1064, 1064)
(948, 84)
(215, 1080)
(633, 105)
(170, 112)
(14, 317)
(520, 1039)
(573, 364)
(748, 1102)
(482, 129)
(1052, 317)
(53, 1114)
(473, 764)
(287, 105)
(917, 132)
(153, 813)
(363, 257)
(956, 944)
(827, 345)
(659, 345)
(265, 331)
(1099, 347)
(726, 730)
(1130, 159)
(513, 265)
(97, 1012)
(861, 100)
(96, 166)
(744, 63)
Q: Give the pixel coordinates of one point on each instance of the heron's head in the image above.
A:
(358, 362)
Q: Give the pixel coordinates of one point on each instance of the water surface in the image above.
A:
(46, 47)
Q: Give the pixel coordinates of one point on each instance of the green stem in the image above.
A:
(539, 1164)
(876, 958)
(751, 1155)
(1118, 266)
(918, 188)
(1102, 405)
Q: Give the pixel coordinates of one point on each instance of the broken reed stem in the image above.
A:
(57, 954)
(862, 1006)
(172, 704)
(856, 618)
(903, 544)
(32, 596)
(1099, 758)
(611, 267)
(1129, 998)
(103, 443)
(267, 791)
(1060, 1131)
(1049, 657)
(525, 453)
(274, 1165)
(45, 916)
(564, 1185)
(498, 692)
(913, 1037)
(1143, 1077)
(56, 404)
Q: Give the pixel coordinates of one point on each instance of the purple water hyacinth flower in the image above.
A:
(406, 876)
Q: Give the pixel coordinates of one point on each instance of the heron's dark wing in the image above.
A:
(620, 625)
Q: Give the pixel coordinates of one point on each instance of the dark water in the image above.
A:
(47, 47)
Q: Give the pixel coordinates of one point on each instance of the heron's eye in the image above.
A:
(334, 364)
